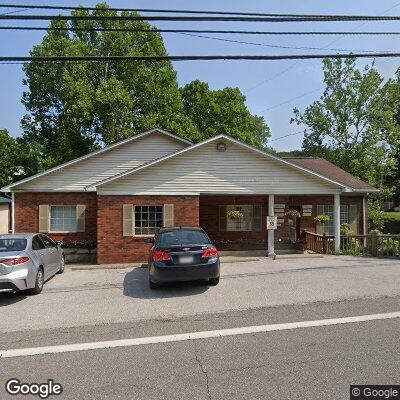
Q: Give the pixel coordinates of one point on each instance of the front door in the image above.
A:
(294, 226)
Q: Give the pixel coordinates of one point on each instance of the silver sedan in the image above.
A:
(28, 260)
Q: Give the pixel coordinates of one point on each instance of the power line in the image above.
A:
(214, 31)
(294, 98)
(267, 45)
(169, 11)
(285, 136)
(195, 57)
(331, 42)
(198, 19)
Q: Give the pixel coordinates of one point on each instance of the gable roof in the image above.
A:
(213, 139)
(332, 171)
(95, 153)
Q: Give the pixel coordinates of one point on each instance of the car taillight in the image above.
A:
(161, 256)
(210, 253)
(14, 261)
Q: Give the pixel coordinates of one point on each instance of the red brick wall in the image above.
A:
(27, 212)
(113, 247)
(209, 221)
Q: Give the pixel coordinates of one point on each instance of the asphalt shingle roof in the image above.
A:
(331, 171)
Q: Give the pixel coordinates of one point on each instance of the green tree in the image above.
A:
(74, 108)
(223, 111)
(9, 153)
(352, 123)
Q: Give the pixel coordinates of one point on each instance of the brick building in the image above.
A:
(120, 195)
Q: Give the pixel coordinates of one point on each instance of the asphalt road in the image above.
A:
(309, 363)
(304, 363)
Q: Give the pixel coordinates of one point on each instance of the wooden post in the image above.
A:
(324, 244)
(374, 244)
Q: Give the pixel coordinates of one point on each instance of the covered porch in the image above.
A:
(294, 214)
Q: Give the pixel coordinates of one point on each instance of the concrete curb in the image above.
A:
(224, 260)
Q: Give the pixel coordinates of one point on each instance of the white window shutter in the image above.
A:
(127, 217)
(168, 215)
(44, 218)
(80, 217)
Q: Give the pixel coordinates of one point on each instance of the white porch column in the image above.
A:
(12, 213)
(336, 222)
(271, 236)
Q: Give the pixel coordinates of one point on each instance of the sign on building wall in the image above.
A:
(279, 211)
(307, 210)
(272, 222)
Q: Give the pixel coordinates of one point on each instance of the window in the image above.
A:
(12, 245)
(252, 218)
(348, 215)
(47, 241)
(182, 236)
(63, 219)
(37, 244)
(148, 219)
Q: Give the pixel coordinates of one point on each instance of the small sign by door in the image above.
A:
(272, 222)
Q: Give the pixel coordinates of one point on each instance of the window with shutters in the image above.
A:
(348, 215)
(63, 219)
(251, 221)
(148, 219)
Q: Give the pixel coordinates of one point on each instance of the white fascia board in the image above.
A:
(215, 138)
(94, 153)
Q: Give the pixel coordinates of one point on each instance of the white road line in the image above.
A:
(192, 336)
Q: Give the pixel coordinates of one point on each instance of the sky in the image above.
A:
(272, 88)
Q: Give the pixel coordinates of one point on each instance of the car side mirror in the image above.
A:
(149, 240)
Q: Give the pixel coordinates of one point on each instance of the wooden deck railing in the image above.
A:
(369, 245)
(318, 243)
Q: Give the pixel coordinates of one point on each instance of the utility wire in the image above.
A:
(285, 136)
(294, 98)
(169, 11)
(295, 33)
(195, 57)
(198, 19)
(281, 73)
(268, 45)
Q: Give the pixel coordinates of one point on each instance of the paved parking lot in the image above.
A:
(80, 298)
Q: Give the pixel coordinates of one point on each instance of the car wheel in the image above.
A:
(213, 281)
(62, 266)
(38, 283)
(153, 285)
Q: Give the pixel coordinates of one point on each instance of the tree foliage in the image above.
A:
(73, 108)
(223, 112)
(352, 124)
(76, 107)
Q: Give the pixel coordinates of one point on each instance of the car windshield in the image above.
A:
(17, 244)
(182, 236)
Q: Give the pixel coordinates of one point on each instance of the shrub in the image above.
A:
(376, 216)
(345, 229)
(79, 244)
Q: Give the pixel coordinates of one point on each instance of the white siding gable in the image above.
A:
(238, 170)
(91, 170)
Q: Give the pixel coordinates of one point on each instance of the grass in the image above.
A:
(392, 215)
